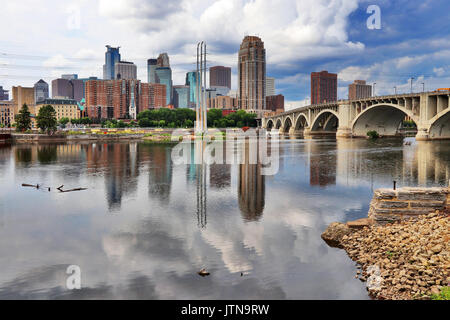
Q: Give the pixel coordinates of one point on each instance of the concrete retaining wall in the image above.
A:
(390, 205)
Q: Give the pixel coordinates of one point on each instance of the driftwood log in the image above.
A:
(30, 185)
(60, 188)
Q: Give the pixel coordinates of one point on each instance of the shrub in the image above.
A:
(373, 134)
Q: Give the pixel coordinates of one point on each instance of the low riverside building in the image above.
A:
(64, 108)
(6, 114)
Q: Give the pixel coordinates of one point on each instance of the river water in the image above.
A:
(145, 226)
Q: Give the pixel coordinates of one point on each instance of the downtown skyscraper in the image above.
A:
(252, 75)
(112, 56)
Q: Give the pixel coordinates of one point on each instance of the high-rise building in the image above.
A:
(151, 67)
(23, 95)
(40, 91)
(4, 94)
(181, 96)
(164, 76)
(191, 81)
(112, 56)
(121, 99)
(163, 60)
(359, 89)
(220, 76)
(252, 75)
(125, 70)
(270, 86)
(68, 89)
(323, 87)
(275, 103)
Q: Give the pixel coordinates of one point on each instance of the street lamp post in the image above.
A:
(395, 90)
(412, 78)
(374, 88)
(423, 86)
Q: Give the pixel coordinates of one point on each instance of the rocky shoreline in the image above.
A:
(407, 259)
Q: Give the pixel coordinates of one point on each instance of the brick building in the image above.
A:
(359, 89)
(223, 102)
(275, 103)
(117, 99)
(252, 75)
(323, 87)
(220, 76)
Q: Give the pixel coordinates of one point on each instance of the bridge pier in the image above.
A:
(344, 132)
(422, 135)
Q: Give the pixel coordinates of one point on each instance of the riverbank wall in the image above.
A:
(389, 205)
(402, 248)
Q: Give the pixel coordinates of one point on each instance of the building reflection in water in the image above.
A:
(251, 187)
(160, 173)
(322, 165)
(421, 163)
(118, 162)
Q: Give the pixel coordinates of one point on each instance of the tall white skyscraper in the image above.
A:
(270, 86)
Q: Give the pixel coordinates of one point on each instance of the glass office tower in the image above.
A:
(181, 96)
(164, 75)
(191, 82)
(151, 68)
(112, 56)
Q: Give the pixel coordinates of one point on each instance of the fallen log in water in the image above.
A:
(30, 185)
(70, 190)
(60, 188)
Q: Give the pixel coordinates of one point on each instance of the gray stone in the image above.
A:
(334, 233)
(392, 204)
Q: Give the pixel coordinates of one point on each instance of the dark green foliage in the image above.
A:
(23, 119)
(46, 119)
(183, 117)
(373, 134)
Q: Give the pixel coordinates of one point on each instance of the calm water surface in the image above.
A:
(144, 228)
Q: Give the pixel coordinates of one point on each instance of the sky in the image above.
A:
(47, 38)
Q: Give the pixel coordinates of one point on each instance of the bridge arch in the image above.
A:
(326, 120)
(440, 125)
(287, 124)
(301, 122)
(278, 124)
(385, 118)
(269, 124)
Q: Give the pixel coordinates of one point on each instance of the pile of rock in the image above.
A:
(403, 260)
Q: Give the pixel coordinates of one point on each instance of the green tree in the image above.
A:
(46, 119)
(213, 115)
(23, 119)
(63, 121)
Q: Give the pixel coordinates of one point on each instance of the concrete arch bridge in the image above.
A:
(430, 111)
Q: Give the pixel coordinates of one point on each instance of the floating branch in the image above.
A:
(30, 185)
(70, 190)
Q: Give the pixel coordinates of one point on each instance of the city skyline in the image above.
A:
(344, 46)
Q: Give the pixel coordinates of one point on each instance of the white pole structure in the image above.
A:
(201, 88)
(205, 103)
(197, 100)
(200, 101)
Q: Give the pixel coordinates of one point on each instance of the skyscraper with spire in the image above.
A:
(252, 75)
